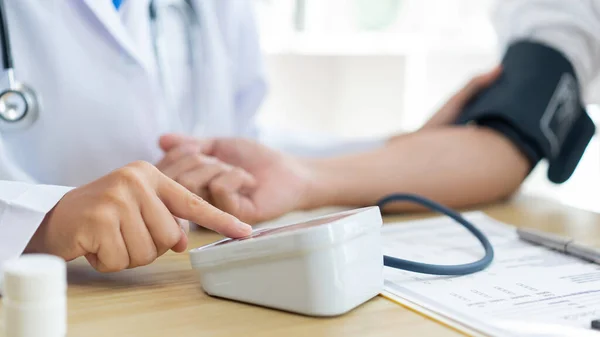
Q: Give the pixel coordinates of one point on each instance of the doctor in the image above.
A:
(105, 88)
(111, 78)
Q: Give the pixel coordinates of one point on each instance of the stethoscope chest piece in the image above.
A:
(19, 108)
(19, 105)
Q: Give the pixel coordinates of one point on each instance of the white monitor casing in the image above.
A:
(323, 267)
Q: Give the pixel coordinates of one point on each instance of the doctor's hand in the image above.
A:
(127, 219)
(262, 184)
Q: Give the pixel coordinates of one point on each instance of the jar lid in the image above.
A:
(35, 277)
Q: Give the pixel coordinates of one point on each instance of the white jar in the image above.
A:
(35, 296)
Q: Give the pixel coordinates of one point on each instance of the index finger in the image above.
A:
(186, 205)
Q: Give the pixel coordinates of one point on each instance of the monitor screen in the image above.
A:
(289, 228)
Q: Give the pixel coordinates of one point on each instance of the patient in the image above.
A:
(457, 165)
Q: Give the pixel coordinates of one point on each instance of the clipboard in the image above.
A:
(528, 290)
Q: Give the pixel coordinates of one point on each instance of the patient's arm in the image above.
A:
(458, 166)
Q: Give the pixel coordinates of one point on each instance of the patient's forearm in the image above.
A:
(457, 166)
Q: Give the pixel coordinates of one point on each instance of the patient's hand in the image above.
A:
(256, 183)
(187, 165)
(450, 111)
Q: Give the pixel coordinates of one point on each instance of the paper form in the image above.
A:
(525, 283)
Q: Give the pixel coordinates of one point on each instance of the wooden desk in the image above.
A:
(164, 299)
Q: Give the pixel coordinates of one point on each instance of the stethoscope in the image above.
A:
(188, 14)
(20, 105)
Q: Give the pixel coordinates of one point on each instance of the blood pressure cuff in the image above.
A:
(536, 103)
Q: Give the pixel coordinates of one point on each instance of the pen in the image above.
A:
(562, 244)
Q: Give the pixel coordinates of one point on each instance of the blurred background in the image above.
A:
(360, 69)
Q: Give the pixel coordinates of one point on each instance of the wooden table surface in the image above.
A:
(165, 299)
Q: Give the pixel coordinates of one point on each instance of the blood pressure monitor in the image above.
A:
(323, 267)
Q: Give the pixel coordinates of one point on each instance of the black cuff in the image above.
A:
(527, 145)
(536, 104)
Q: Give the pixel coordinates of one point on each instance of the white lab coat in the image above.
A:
(103, 106)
